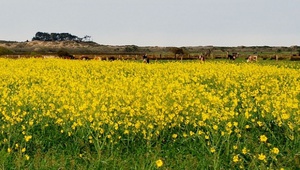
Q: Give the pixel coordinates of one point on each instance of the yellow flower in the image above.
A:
(263, 138)
(245, 150)
(291, 137)
(212, 150)
(259, 123)
(174, 136)
(285, 116)
(159, 163)
(275, 150)
(235, 124)
(30, 123)
(235, 158)
(27, 157)
(23, 150)
(27, 138)
(8, 150)
(262, 157)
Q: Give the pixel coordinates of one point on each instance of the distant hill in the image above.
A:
(51, 43)
(36, 47)
(75, 47)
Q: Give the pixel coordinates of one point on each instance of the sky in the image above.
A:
(156, 22)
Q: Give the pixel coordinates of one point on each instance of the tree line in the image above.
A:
(44, 36)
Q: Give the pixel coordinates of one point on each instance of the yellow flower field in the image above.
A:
(238, 114)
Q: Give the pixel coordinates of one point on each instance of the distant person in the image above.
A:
(202, 58)
(145, 58)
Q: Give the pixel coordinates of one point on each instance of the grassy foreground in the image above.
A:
(64, 114)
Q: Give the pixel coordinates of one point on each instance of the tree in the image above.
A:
(278, 50)
(131, 48)
(43, 36)
(178, 51)
(87, 38)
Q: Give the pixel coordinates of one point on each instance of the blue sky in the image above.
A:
(157, 22)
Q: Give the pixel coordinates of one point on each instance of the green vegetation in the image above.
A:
(44, 36)
(5, 51)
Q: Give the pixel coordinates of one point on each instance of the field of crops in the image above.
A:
(67, 114)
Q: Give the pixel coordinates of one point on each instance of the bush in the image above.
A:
(63, 53)
(5, 51)
(295, 58)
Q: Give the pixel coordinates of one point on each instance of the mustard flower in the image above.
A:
(159, 163)
(263, 138)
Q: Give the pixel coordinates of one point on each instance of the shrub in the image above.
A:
(63, 53)
(5, 51)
